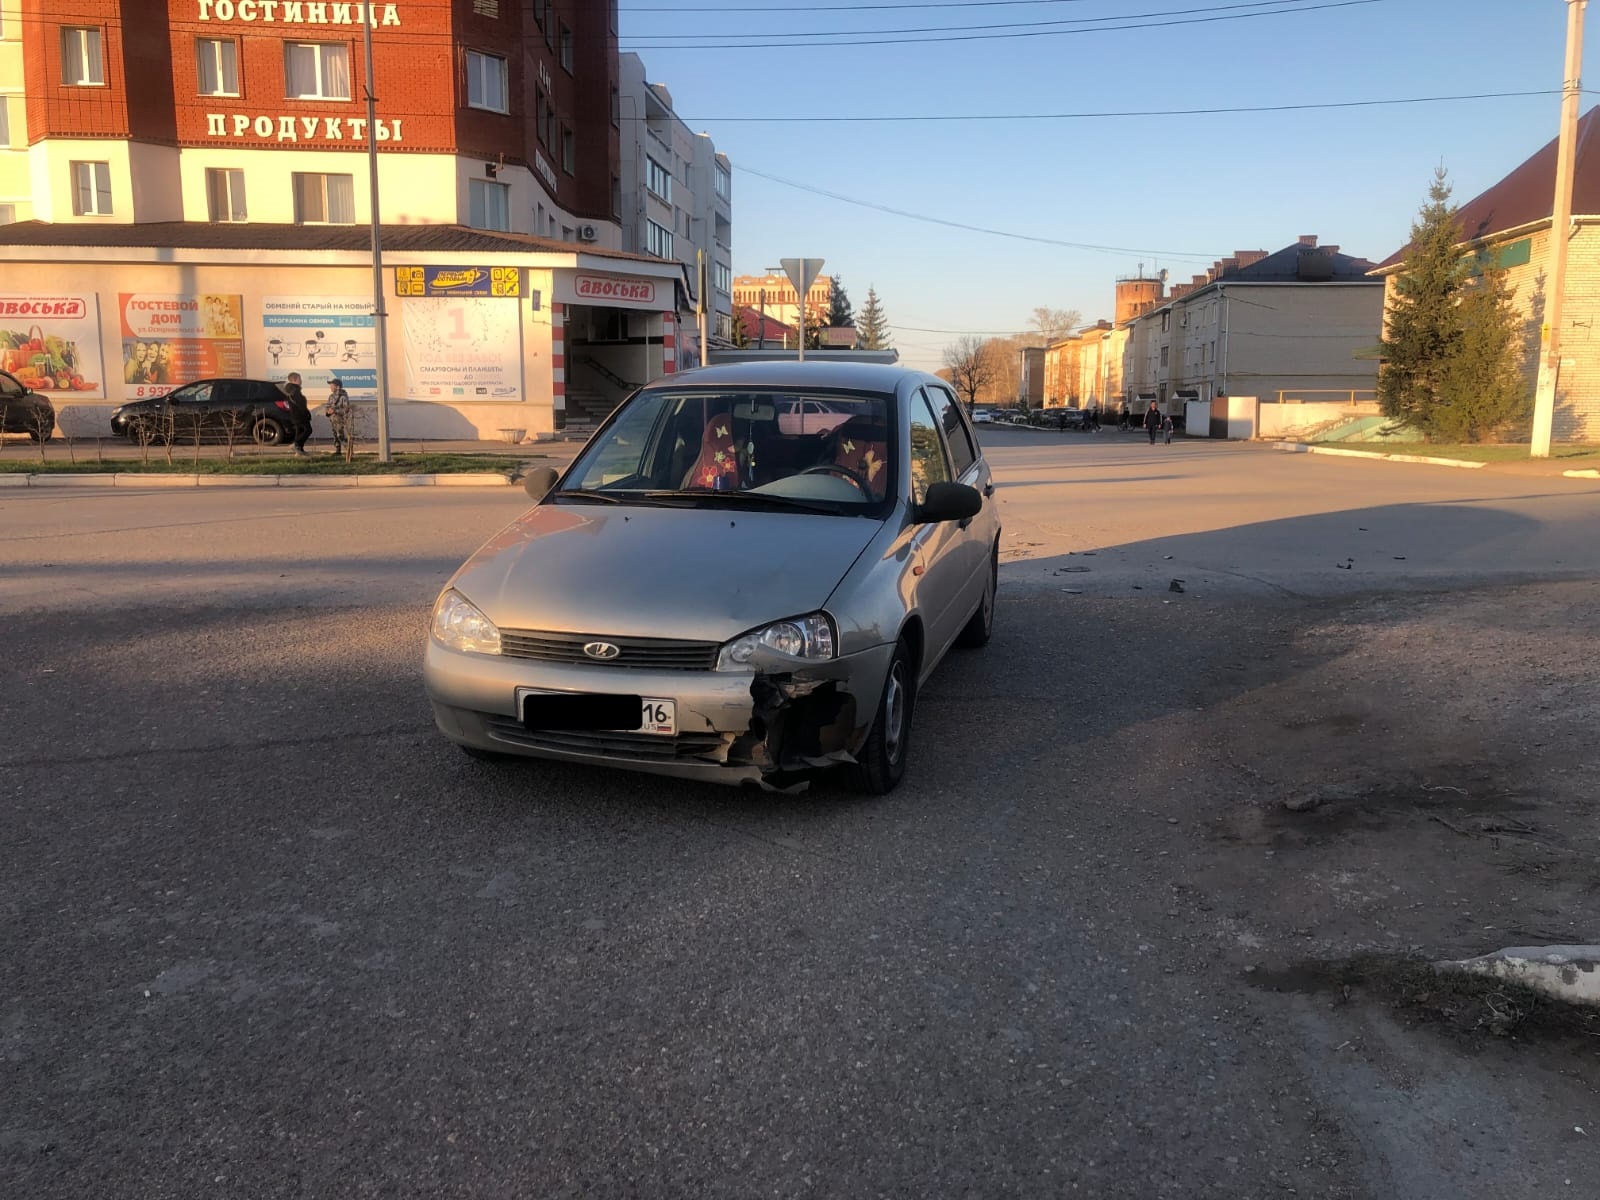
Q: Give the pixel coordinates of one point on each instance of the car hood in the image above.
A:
(695, 574)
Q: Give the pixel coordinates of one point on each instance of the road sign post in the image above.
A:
(802, 272)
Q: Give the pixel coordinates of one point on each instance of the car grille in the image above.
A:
(658, 654)
(632, 747)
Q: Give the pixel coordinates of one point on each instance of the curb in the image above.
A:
(1569, 973)
(149, 479)
(1585, 473)
(1302, 448)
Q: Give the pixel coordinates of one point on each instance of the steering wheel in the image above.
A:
(861, 484)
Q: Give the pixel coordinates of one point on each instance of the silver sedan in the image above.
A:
(714, 592)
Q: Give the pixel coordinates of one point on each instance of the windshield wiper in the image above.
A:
(757, 499)
(586, 494)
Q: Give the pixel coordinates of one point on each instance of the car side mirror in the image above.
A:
(949, 502)
(538, 482)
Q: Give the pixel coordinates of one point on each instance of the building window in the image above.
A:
(566, 49)
(1164, 351)
(324, 199)
(91, 189)
(541, 14)
(658, 179)
(316, 71)
(225, 194)
(219, 66)
(5, 122)
(616, 108)
(489, 205)
(722, 182)
(81, 64)
(722, 277)
(569, 153)
(8, 214)
(616, 196)
(657, 241)
(486, 82)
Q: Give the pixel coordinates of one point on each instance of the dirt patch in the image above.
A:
(1424, 784)
(1467, 1007)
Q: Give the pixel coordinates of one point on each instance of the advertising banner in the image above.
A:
(52, 343)
(169, 340)
(323, 338)
(462, 349)
(458, 281)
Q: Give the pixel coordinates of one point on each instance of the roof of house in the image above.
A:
(1528, 194)
(203, 235)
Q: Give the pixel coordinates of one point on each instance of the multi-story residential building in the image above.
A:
(1510, 223)
(491, 114)
(196, 172)
(678, 198)
(775, 296)
(1287, 325)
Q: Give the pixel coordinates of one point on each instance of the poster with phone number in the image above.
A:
(170, 340)
(462, 348)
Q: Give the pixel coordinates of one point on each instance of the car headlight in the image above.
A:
(781, 646)
(459, 624)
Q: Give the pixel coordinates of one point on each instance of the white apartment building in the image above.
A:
(677, 199)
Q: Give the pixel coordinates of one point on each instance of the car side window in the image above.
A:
(956, 433)
(929, 463)
(10, 388)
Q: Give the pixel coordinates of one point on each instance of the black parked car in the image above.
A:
(22, 411)
(225, 409)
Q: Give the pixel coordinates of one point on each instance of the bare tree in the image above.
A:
(970, 364)
(235, 426)
(1005, 359)
(1051, 325)
(40, 423)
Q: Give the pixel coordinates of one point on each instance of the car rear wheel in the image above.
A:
(882, 762)
(267, 432)
(978, 630)
(40, 435)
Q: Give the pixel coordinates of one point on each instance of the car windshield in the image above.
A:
(773, 448)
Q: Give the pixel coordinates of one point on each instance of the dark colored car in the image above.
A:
(22, 411)
(222, 409)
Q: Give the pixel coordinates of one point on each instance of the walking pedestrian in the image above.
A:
(1166, 429)
(337, 410)
(1152, 421)
(299, 411)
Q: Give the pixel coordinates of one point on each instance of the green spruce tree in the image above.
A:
(1423, 326)
(839, 311)
(1483, 388)
(872, 326)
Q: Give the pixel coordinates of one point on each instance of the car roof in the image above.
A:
(875, 377)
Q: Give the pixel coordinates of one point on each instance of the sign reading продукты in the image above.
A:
(458, 281)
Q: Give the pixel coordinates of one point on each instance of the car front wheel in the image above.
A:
(267, 432)
(882, 762)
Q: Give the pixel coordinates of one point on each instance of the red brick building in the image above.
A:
(499, 114)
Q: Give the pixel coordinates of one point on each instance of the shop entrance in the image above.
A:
(610, 352)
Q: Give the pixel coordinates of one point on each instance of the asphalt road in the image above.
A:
(266, 934)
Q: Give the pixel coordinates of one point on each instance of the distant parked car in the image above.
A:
(24, 411)
(215, 408)
(799, 417)
(982, 416)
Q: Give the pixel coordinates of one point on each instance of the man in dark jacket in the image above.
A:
(299, 411)
(1152, 421)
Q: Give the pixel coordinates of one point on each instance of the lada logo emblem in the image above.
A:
(604, 651)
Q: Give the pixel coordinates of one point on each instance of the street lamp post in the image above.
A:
(379, 317)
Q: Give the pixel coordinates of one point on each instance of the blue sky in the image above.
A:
(1173, 191)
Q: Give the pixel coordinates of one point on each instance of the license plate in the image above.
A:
(573, 710)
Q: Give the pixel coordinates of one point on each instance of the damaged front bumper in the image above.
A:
(770, 729)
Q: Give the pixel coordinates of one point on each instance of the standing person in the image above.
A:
(1152, 421)
(337, 410)
(299, 411)
(1166, 429)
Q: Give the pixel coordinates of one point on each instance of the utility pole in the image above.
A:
(380, 341)
(1544, 396)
